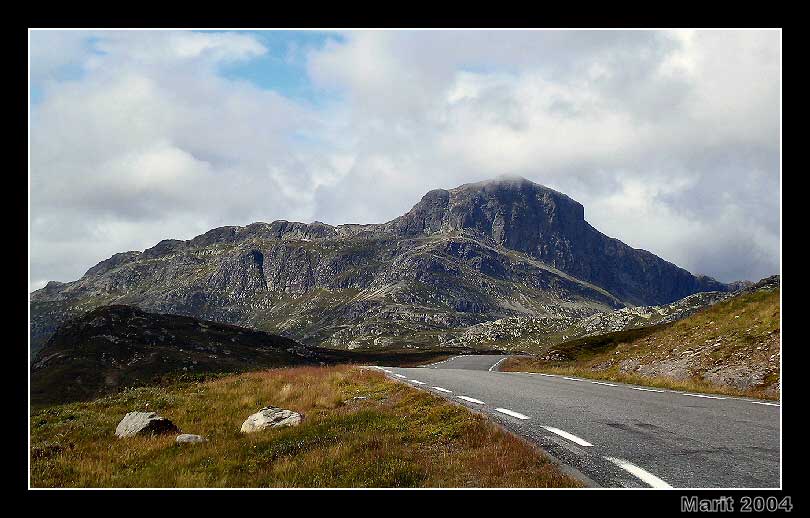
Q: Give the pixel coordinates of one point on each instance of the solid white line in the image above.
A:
(472, 400)
(544, 374)
(764, 403)
(647, 390)
(417, 382)
(512, 413)
(700, 395)
(643, 474)
(399, 375)
(496, 364)
(443, 390)
(569, 436)
(603, 383)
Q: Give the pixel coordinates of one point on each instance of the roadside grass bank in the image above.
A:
(731, 348)
(359, 430)
(536, 365)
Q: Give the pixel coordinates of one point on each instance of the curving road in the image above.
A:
(617, 435)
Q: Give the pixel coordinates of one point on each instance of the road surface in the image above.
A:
(617, 435)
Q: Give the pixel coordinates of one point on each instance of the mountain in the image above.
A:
(116, 346)
(460, 257)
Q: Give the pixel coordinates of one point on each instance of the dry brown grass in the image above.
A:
(397, 437)
(614, 374)
(741, 332)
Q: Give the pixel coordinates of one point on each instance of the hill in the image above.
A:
(116, 347)
(730, 347)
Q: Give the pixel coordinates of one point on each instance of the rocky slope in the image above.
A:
(536, 335)
(477, 253)
(733, 345)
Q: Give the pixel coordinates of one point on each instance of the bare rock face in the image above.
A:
(144, 423)
(270, 417)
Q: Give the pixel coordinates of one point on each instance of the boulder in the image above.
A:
(270, 417)
(190, 437)
(144, 423)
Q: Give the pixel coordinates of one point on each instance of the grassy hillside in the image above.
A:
(731, 347)
(396, 437)
(114, 347)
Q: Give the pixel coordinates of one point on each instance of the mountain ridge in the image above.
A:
(459, 257)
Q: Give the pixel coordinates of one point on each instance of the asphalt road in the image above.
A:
(617, 435)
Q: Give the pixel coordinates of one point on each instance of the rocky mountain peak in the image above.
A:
(506, 247)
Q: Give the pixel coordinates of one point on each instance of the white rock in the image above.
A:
(270, 417)
(144, 423)
(190, 437)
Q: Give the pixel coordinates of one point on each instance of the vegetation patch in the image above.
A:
(732, 347)
(359, 430)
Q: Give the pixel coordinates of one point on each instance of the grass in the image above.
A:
(741, 333)
(522, 364)
(396, 437)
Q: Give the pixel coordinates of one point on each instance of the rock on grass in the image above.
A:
(144, 423)
(270, 417)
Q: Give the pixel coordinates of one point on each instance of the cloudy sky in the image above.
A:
(669, 139)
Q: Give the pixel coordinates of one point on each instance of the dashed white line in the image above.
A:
(399, 376)
(472, 400)
(512, 413)
(603, 383)
(431, 365)
(443, 390)
(700, 395)
(567, 378)
(496, 364)
(647, 390)
(417, 382)
(643, 474)
(571, 437)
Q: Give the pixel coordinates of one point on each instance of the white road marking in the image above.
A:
(443, 390)
(417, 382)
(567, 378)
(647, 390)
(389, 372)
(399, 375)
(431, 365)
(512, 413)
(603, 383)
(700, 395)
(496, 364)
(472, 400)
(764, 403)
(643, 474)
(571, 437)
(544, 374)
